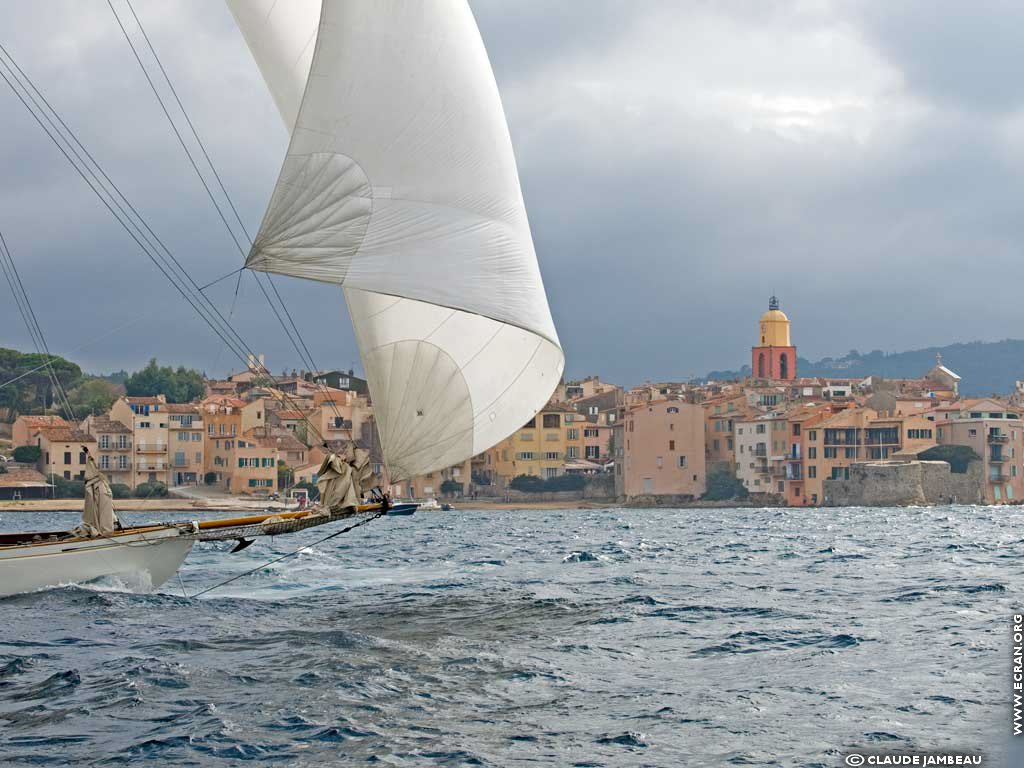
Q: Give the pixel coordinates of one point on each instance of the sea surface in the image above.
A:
(730, 637)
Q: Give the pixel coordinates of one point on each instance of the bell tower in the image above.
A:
(774, 357)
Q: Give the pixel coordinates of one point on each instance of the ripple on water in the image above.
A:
(646, 637)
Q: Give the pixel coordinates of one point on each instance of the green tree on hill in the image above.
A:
(26, 377)
(91, 397)
(180, 386)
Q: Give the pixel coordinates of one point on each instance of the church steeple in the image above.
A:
(774, 357)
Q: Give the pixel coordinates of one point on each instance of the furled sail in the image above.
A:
(400, 185)
(98, 516)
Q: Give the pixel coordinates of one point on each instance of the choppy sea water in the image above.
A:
(754, 637)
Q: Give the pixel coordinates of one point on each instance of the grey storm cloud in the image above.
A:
(680, 162)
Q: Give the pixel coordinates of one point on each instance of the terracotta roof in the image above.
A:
(22, 478)
(65, 435)
(37, 422)
(193, 408)
(104, 424)
(290, 443)
(258, 435)
(291, 415)
(234, 402)
(557, 408)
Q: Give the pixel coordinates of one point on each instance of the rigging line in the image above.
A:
(32, 322)
(231, 313)
(313, 367)
(94, 182)
(306, 361)
(177, 133)
(184, 112)
(285, 556)
(207, 311)
(298, 340)
(115, 329)
(67, 129)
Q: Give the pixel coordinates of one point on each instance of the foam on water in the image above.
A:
(605, 638)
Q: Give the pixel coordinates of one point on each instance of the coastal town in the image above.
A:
(773, 438)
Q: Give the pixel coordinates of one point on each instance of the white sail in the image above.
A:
(400, 185)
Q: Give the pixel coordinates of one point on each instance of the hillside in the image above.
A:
(986, 368)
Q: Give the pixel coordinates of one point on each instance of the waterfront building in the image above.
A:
(774, 357)
(226, 420)
(341, 380)
(761, 446)
(587, 388)
(113, 447)
(664, 450)
(429, 486)
(542, 446)
(339, 415)
(291, 451)
(995, 432)
(601, 411)
(24, 429)
(186, 441)
(720, 414)
(858, 434)
(147, 418)
(293, 421)
(253, 461)
(62, 450)
(799, 475)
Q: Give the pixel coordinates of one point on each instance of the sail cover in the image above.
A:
(400, 185)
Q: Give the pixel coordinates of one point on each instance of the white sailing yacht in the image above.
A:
(400, 186)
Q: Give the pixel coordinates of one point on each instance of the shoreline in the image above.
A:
(171, 504)
(241, 505)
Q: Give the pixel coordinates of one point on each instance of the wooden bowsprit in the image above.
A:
(278, 523)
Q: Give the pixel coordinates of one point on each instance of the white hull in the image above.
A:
(143, 558)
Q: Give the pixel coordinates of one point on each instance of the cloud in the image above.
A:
(680, 161)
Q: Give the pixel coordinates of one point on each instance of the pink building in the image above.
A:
(664, 450)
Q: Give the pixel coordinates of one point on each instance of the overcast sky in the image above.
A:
(680, 162)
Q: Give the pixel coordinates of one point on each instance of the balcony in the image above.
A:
(156, 448)
(997, 459)
(1000, 478)
(994, 437)
(159, 467)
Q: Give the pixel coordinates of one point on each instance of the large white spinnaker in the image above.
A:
(400, 185)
